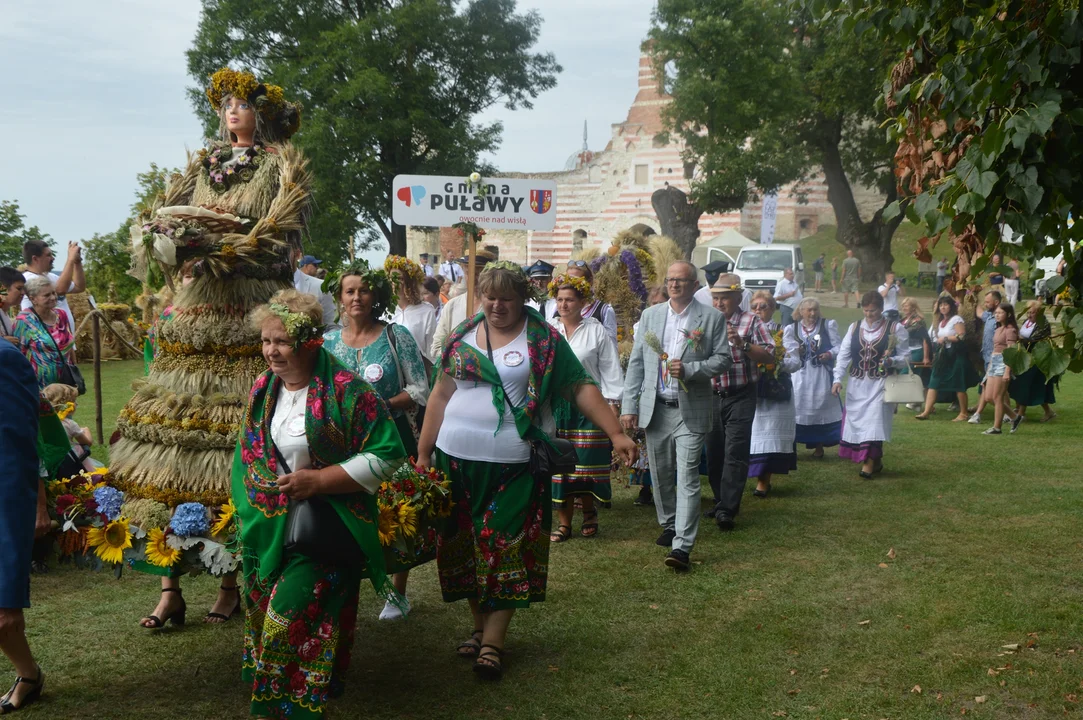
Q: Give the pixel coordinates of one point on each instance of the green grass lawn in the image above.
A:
(800, 613)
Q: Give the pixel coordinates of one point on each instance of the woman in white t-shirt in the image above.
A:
(416, 315)
(952, 371)
(504, 376)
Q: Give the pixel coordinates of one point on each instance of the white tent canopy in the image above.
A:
(730, 242)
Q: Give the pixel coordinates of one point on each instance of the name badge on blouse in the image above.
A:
(374, 372)
(296, 426)
(513, 358)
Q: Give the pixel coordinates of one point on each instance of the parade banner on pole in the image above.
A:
(439, 201)
(767, 219)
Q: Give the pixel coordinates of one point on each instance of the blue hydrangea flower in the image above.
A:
(190, 519)
(109, 501)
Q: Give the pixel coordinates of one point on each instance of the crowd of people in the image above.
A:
(292, 399)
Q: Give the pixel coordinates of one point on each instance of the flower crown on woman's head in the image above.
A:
(406, 266)
(299, 326)
(580, 285)
(516, 269)
(377, 281)
(268, 100)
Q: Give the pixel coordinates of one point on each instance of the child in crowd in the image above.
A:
(63, 399)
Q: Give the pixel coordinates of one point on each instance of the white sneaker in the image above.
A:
(975, 419)
(390, 612)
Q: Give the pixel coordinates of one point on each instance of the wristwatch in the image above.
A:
(747, 345)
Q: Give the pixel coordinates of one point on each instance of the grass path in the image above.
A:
(799, 613)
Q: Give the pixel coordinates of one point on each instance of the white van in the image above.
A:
(760, 266)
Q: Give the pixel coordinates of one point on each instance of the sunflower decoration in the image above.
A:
(111, 540)
(406, 266)
(581, 286)
(225, 518)
(407, 518)
(158, 551)
(387, 524)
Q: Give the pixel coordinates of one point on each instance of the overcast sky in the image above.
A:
(95, 91)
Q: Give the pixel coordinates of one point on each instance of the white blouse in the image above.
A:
(288, 435)
(598, 357)
(938, 331)
(420, 320)
(469, 429)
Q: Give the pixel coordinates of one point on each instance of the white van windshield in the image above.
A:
(764, 260)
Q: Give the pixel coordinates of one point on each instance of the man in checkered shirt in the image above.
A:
(728, 443)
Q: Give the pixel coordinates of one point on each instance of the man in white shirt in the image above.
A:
(39, 259)
(451, 271)
(425, 266)
(891, 292)
(312, 285)
(788, 295)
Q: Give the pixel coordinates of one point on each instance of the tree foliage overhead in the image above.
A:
(987, 113)
(14, 233)
(388, 87)
(107, 257)
(763, 96)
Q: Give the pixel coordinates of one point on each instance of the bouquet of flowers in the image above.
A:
(411, 505)
(651, 340)
(100, 525)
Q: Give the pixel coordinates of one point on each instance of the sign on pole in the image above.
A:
(767, 218)
(442, 201)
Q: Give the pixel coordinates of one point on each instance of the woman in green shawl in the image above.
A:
(505, 375)
(311, 428)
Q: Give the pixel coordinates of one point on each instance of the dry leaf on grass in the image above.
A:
(916, 689)
(864, 622)
(891, 554)
(882, 565)
(1011, 646)
(980, 699)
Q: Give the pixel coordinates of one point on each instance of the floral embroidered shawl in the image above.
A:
(555, 372)
(343, 417)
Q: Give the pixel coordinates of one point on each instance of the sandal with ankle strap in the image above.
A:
(490, 665)
(6, 706)
(469, 649)
(590, 524)
(219, 616)
(562, 534)
(177, 617)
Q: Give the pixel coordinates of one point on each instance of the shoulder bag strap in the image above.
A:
(393, 342)
(281, 459)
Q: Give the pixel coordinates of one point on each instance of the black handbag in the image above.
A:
(549, 457)
(69, 373)
(315, 529)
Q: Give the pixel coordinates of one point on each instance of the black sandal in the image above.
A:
(219, 616)
(560, 535)
(6, 706)
(590, 524)
(177, 617)
(865, 475)
(469, 649)
(490, 665)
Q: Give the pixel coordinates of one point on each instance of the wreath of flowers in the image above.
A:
(409, 269)
(376, 280)
(299, 326)
(580, 285)
(268, 99)
(532, 292)
(221, 177)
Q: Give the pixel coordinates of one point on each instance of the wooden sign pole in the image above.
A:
(97, 340)
(471, 254)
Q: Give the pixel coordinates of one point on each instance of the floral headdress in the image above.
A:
(299, 326)
(406, 266)
(580, 285)
(517, 269)
(268, 100)
(376, 280)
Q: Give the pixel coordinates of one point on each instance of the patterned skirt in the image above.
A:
(595, 455)
(860, 452)
(299, 629)
(495, 546)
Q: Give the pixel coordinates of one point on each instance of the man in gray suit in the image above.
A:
(671, 400)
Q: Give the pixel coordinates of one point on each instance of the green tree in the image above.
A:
(987, 114)
(107, 256)
(13, 233)
(764, 96)
(388, 88)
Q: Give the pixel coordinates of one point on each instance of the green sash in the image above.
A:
(343, 417)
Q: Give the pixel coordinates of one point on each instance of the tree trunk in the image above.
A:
(678, 218)
(870, 241)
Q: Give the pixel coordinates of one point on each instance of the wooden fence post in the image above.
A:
(96, 328)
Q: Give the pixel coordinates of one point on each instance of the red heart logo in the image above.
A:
(404, 195)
